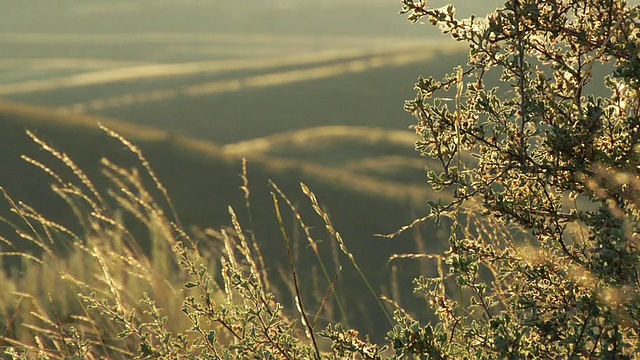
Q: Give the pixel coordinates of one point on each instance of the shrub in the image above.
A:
(550, 269)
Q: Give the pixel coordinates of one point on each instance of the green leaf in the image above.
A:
(190, 285)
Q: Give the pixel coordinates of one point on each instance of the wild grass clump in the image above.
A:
(124, 279)
(131, 283)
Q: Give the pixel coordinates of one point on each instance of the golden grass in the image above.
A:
(105, 260)
(342, 245)
(106, 288)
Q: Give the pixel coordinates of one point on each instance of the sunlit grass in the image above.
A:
(120, 281)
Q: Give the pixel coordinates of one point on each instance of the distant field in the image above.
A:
(229, 101)
(368, 18)
(284, 17)
(220, 70)
(170, 47)
(91, 72)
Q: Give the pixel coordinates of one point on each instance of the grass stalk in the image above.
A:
(294, 273)
(254, 241)
(314, 246)
(343, 246)
(145, 163)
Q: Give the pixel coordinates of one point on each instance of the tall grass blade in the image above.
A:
(343, 246)
(294, 273)
(254, 242)
(145, 163)
(314, 246)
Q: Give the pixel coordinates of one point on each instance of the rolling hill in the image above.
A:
(229, 101)
(203, 180)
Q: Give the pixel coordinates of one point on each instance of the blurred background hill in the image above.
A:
(308, 91)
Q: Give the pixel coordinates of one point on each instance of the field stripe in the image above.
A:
(256, 81)
(64, 64)
(154, 71)
(322, 135)
(199, 38)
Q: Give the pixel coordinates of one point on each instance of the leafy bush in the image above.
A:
(555, 164)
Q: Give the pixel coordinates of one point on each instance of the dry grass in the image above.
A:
(94, 290)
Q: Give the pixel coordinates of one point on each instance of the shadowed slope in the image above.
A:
(274, 154)
(203, 181)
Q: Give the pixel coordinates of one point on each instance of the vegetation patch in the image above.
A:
(541, 262)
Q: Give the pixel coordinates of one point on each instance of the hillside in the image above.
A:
(308, 91)
(203, 180)
(228, 101)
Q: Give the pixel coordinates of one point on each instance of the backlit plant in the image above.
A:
(553, 167)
